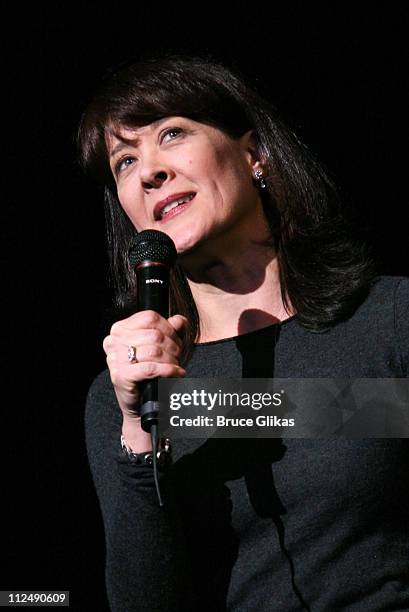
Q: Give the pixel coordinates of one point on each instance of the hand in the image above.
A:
(158, 349)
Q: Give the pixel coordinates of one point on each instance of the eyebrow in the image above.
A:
(126, 142)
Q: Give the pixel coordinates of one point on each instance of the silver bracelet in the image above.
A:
(146, 458)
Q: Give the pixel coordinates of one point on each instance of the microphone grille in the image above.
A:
(152, 245)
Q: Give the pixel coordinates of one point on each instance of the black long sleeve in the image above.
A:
(265, 524)
(146, 564)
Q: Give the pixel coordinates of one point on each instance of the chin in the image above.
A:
(185, 242)
(184, 249)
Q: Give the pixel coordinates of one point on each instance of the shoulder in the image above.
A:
(401, 320)
(372, 343)
(386, 300)
(401, 305)
(383, 319)
(391, 288)
(386, 290)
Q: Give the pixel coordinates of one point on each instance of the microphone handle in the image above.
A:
(153, 294)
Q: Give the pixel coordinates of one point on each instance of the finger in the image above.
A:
(179, 323)
(139, 338)
(152, 352)
(146, 319)
(152, 369)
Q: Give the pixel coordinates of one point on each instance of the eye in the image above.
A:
(170, 131)
(122, 164)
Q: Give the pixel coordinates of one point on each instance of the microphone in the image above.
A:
(151, 255)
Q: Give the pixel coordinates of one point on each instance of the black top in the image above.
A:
(270, 524)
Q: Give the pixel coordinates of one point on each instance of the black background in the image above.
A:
(339, 77)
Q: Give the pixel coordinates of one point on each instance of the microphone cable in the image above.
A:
(154, 439)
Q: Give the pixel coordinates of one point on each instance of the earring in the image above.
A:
(259, 177)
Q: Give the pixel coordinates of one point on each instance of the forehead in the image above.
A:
(116, 134)
(125, 132)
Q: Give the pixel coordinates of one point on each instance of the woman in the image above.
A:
(268, 283)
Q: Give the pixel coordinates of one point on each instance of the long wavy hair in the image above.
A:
(325, 272)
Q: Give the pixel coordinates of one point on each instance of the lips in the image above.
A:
(159, 206)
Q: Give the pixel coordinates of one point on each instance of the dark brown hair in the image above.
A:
(325, 273)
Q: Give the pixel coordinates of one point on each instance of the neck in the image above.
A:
(237, 294)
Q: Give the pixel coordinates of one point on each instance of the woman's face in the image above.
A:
(176, 157)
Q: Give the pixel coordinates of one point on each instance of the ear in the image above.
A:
(250, 149)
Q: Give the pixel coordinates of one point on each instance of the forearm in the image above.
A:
(146, 556)
(146, 565)
(136, 438)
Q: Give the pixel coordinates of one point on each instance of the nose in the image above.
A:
(155, 179)
(153, 175)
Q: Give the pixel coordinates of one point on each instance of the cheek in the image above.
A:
(215, 173)
(132, 208)
(204, 160)
(230, 166)
(234, 180)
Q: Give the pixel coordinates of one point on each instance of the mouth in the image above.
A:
(174, 208)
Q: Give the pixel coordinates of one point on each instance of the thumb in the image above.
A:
(178, 322)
